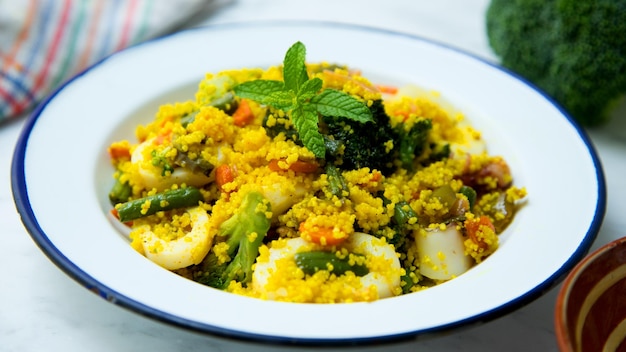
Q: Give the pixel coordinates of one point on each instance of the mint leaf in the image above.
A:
(261, 91)
(301, 98)
(294, 68)
(332, 102)
(305, 121)
(309, 89)
(282, 100)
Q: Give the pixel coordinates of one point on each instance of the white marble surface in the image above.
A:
(42, 309)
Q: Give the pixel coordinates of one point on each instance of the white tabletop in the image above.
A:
(42, 309)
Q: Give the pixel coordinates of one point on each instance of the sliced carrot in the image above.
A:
(306, 167)
(376, 176)
(224, 174)
(473, 226)
(325, 236)
(119, 150)
(164, 135)
(243, 115)
(387, 89)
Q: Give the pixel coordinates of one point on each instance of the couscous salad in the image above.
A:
(307, 182)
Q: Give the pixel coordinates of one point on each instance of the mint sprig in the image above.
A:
(303, 99)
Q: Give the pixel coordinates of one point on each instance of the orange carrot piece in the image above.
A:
(119, 150)
(243, 115)
(321, 235)
(223, 175)
(387, 89)
(474, 225)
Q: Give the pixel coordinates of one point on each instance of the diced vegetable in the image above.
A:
(243, 115)
(470, 193)
(223, 175)
(442, 253)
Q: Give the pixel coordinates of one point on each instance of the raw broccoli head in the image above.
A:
(574, 50)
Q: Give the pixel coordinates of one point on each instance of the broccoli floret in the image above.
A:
(412, 142)
(574, 50)
(279, 125)
(245, 231)
(367, 144)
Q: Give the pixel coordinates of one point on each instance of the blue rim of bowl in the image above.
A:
(21, 199)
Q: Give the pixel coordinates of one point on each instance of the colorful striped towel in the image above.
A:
(44, 42)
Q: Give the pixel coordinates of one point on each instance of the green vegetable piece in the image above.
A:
(311, 262)
(336, 182)
(244, 232)
(168, 200)
(403, 214)
(446, 195)
(197, 165)
(301, 98)
(358, 145)
(470, 193)
(120, 192)
(412, 142)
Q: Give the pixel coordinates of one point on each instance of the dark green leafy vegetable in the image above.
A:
(364, 144)
(311, 262)
(412, 142)
(168, 200)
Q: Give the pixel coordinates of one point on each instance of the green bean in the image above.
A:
(311, 262)
(120, 192)
(168, 200)
(403, 213)
(197, 165)
(336, 182)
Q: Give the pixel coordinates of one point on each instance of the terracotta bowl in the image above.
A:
(590, 310)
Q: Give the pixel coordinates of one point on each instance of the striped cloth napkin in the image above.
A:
(44, 42)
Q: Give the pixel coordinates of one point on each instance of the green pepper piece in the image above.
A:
(470, 193)
(446, 195)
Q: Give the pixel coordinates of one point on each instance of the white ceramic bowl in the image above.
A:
(61, 176)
